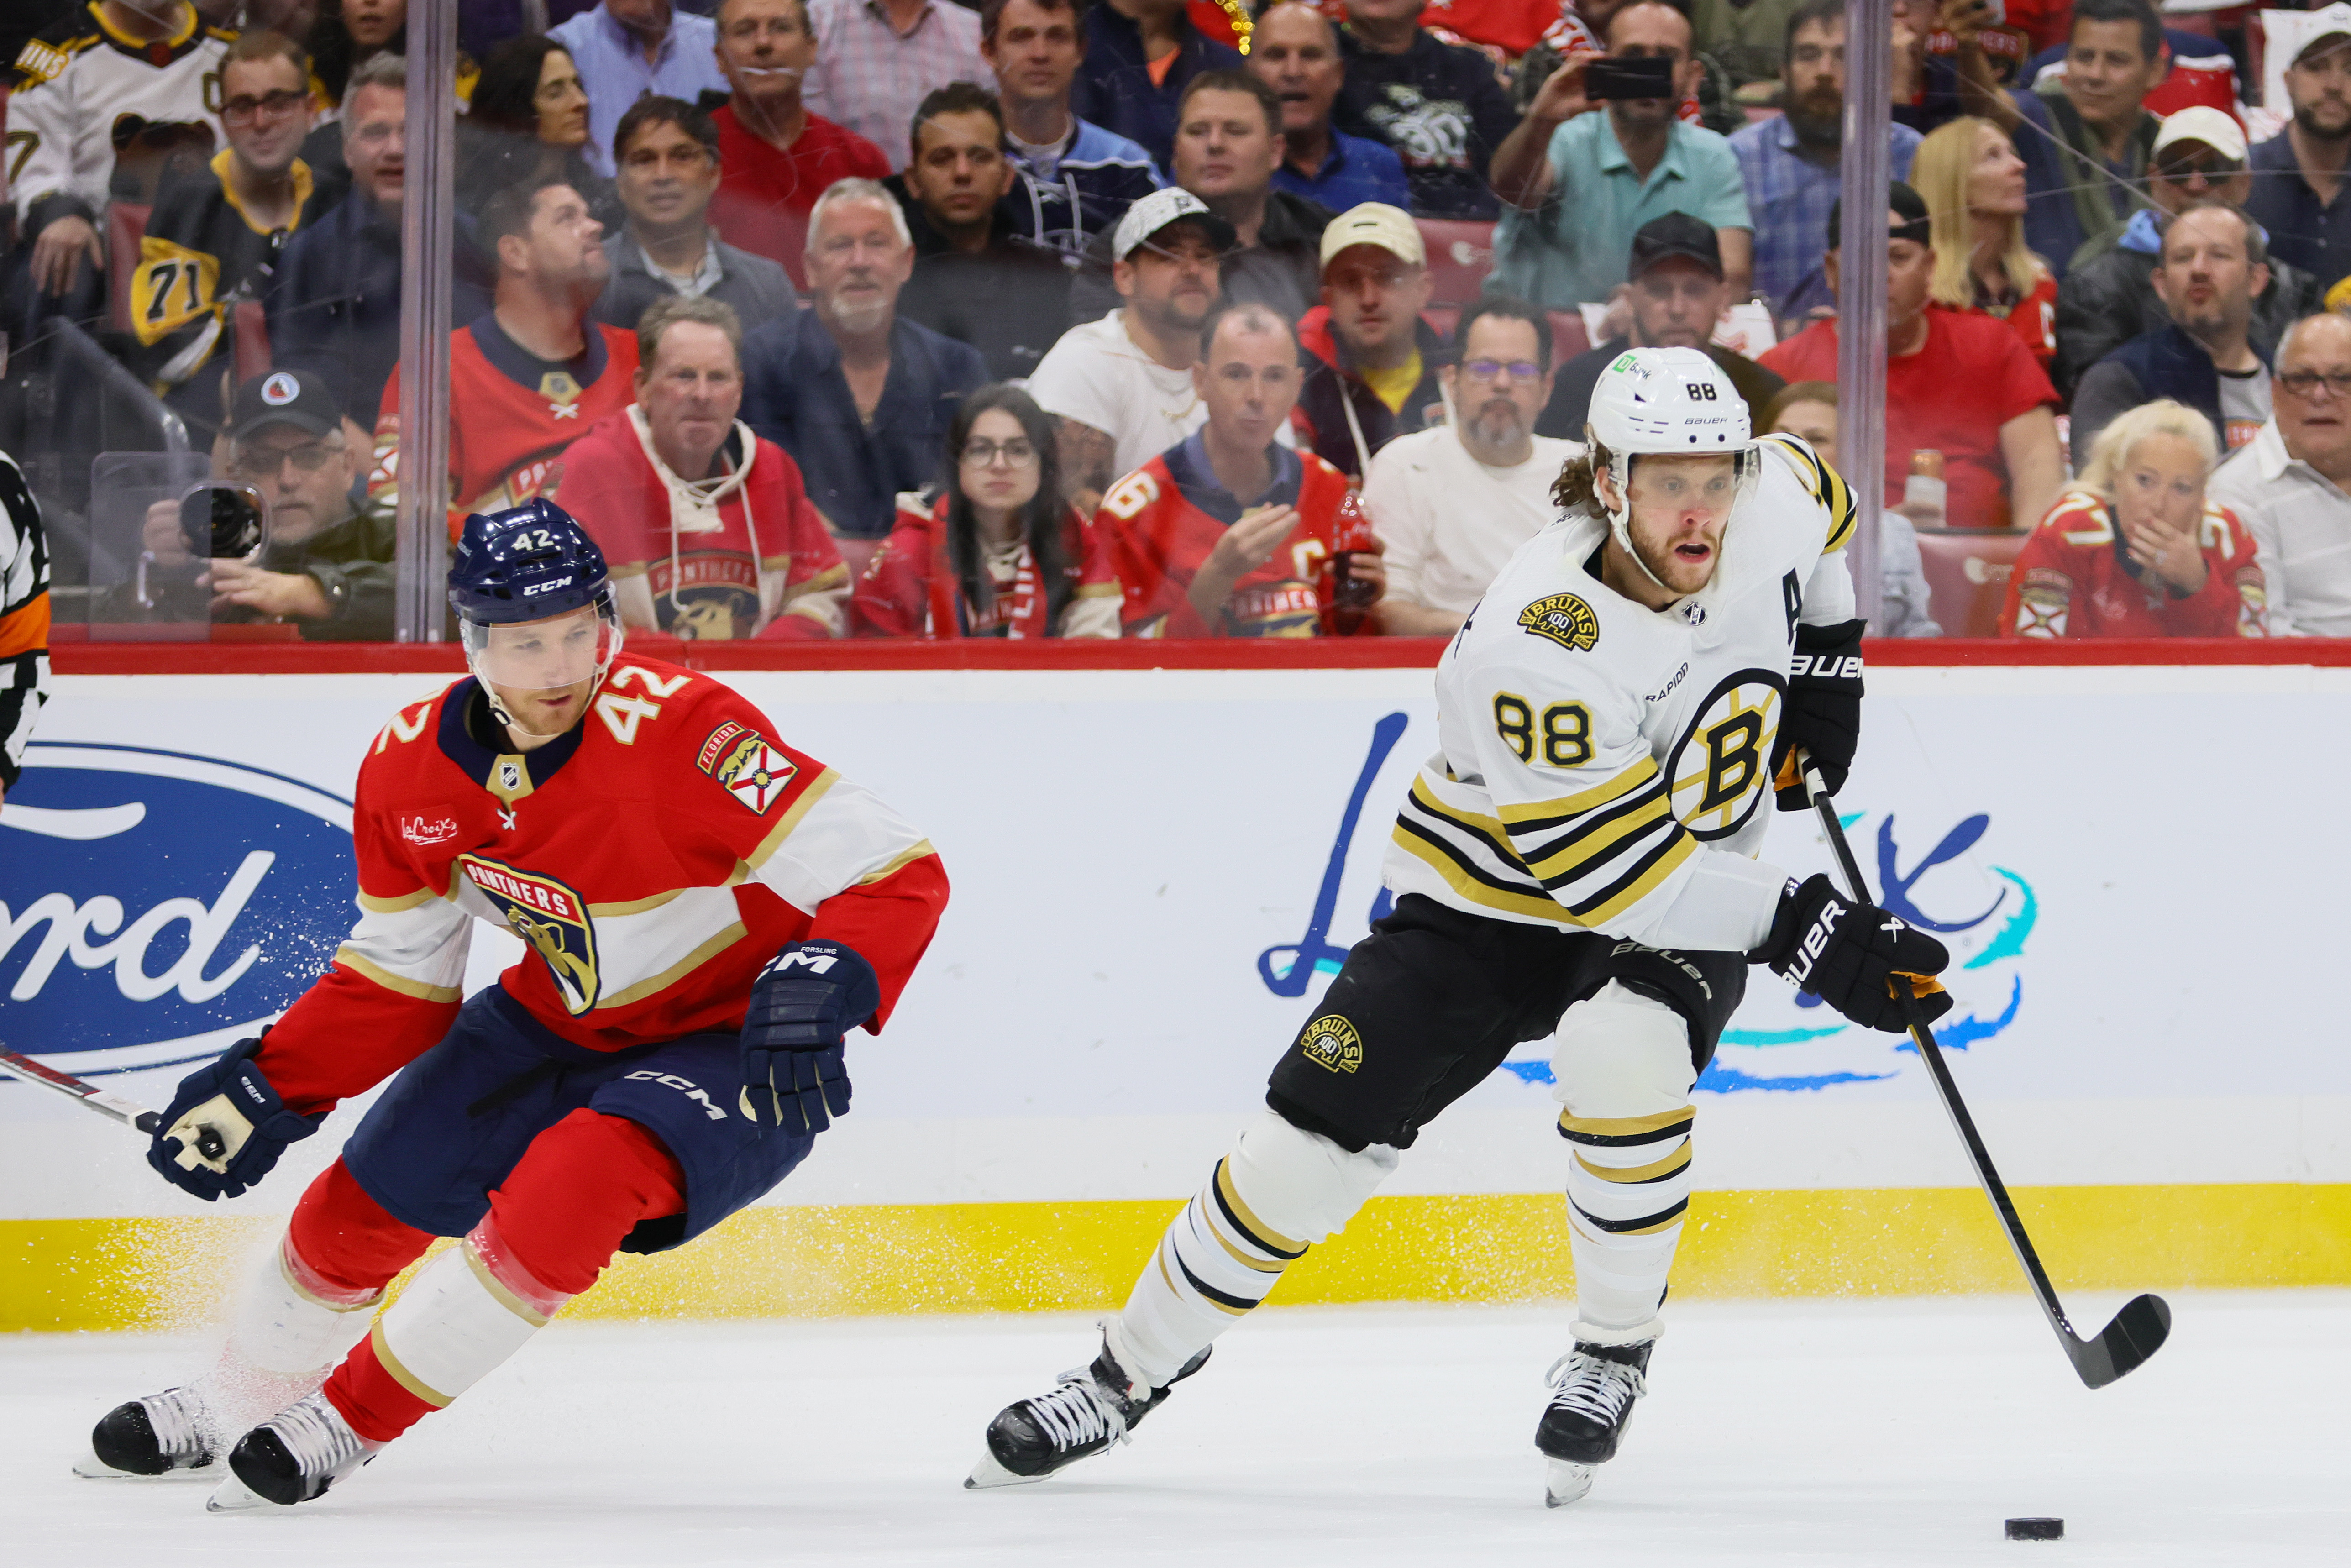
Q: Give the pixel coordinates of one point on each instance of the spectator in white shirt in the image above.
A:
(2289, 482)
(1122, 386)
(1451, 505)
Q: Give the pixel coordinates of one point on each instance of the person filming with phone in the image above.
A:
(316, 559)
(1578, 184)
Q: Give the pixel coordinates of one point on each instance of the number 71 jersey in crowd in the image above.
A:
(1598, 758)
(652, 860)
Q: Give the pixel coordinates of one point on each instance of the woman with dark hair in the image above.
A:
(997, 553)
(528, 117)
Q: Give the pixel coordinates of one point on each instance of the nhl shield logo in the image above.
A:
(1332, 1042)
(1564, 618)
(551, 919)
(755, 772)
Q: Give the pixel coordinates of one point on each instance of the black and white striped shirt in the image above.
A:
(24, 618)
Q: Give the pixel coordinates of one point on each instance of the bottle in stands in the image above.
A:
(1351, 535)
(1926, 488)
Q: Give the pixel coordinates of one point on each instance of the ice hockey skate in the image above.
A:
(293, 1456)
(1592, 1388)
(172, 1436)
(1093, 1407)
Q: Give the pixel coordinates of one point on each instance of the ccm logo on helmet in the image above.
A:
(546, 587)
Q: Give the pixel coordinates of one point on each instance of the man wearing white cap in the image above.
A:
(1371, 361)
(2106, 299)
(2298, 181)
(1122, 386)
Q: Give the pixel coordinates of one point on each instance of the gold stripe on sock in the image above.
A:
(400, 1374)
(1261, 1233)
(1672, 1164)
(498, 1292)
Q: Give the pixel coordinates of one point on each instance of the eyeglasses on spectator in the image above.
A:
(243, 109)
(983, 454)
(1495, 370)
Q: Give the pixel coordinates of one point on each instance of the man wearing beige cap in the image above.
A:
(1370, 361)
(2106, 299)
(2298, 183)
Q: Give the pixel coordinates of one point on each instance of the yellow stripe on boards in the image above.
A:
(70, 1274)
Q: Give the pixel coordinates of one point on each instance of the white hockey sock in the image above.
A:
(462, 1316)
(1629, 1185)
(289, 1329)
(1279, 1191)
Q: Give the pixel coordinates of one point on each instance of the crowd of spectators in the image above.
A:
(1093, 317)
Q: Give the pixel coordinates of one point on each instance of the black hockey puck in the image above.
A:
(2036, 1530)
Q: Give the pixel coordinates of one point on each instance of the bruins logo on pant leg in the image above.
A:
(1719, 768)
(1331, 1041)
(551, 919)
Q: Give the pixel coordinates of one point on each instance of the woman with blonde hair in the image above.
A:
(1973, 184)
(2134, 549)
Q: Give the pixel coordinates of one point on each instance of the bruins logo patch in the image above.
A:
(1564, 618)
(1331, 1041)
(549, 916)
(1719, 770)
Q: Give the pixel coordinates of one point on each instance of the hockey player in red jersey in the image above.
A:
(708, 911)
(1226, 534)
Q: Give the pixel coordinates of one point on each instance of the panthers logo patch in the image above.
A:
(1564, 618)
(551, 919)
(1331, 1041)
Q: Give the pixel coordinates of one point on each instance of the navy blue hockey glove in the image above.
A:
(804, 1001)
(1852, 956)
(228, 1097)
(1823, 713)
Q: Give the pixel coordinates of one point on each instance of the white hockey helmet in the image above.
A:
(1662, 402)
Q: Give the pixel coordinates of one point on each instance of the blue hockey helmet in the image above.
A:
(525, 563)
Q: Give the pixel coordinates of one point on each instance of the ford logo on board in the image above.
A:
(155, 906)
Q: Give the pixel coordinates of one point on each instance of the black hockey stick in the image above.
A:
(2139, 1330)
(129, 1113)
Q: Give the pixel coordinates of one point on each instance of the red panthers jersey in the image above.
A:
(1161, 521)
(2073, 578)
(652, 860)
(510, 416)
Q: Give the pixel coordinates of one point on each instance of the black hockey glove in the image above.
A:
(1823, 713)
(804, 1001)
(229, 1096)
(1852, 956)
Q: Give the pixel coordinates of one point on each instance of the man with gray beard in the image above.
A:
(858, 395)
(1453, 502)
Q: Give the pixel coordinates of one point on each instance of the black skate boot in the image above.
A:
(1592, 1388)
(169, 1434)
(293, 1456)
(1093, 1408)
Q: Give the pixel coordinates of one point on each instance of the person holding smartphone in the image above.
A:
(1578, 184)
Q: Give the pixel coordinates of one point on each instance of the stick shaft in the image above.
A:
(129, 1113)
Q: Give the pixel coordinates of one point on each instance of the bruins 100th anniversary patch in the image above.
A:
(1564, 618)
(1332, 1041)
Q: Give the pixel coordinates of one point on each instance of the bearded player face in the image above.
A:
(1680, 505)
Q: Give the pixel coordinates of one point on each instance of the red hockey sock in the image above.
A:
(560, 1215)
(345, 1238)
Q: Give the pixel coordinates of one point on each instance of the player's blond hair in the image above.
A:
(2164, 416)
(1938, 173)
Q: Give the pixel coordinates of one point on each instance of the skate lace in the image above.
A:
(317, 1435)
(1595, 1386)
(176, 1416)
(1072, 1415)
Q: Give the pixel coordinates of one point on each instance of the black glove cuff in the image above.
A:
(1828, 658)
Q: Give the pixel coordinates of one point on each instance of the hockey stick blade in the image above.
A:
(129, 1113)
(2137, 1330)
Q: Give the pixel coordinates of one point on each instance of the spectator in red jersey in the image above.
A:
(707, 528)
(2136, 549)
(996, 552)
(1227, 534)
(1957, 384)
(775, 157)
(1973, 183)
(526, 379)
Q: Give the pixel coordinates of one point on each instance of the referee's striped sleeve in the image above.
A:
(24, 618)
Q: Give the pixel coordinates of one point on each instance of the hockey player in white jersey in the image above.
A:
(1577, 860)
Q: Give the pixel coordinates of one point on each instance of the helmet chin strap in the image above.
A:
(498, 709)
(1620, 522)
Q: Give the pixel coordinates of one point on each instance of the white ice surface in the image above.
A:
(1878, 1432)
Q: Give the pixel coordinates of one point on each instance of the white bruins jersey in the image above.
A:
(1606, 766)
(78, 83)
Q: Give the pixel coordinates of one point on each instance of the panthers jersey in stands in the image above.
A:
(82, 89)
(1161, 521)
(511, 415)
(653, 859)
(199, 256)
(1606, 766)
(2075, 577)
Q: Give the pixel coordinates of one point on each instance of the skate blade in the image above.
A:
(233, 1496)
(91, 1467)
(988, 1474)
(1564, 1481)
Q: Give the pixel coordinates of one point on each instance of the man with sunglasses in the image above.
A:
(328, 564)
(213, 235)
(2106, 299)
